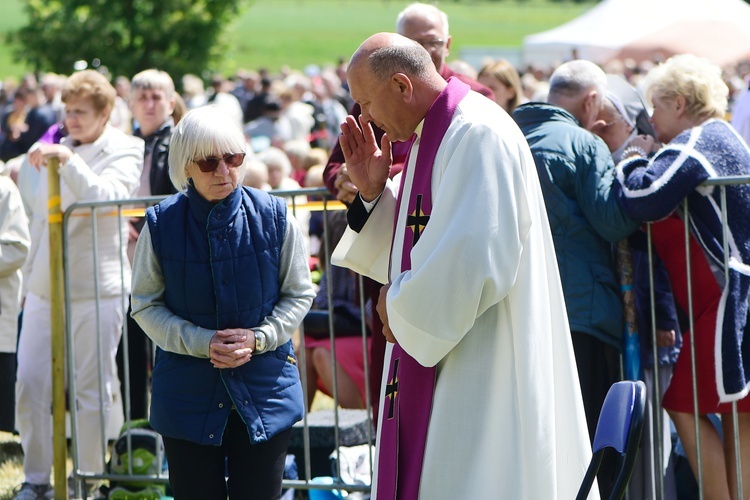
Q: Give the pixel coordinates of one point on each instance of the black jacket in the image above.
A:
(158, 144)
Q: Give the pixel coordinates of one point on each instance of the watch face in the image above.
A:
(260, 341)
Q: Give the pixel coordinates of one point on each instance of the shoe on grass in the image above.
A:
(28, 491)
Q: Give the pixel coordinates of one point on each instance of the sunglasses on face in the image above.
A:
(210, 163)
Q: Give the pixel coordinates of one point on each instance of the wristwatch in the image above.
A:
(260, 342)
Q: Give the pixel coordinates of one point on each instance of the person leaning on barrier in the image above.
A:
(689, 99)
(622, 117)
(220, 283)
(97, 162)
(577, 174)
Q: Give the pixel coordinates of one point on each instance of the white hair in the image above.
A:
(274, 157)
(297, 148)
(418, 9)
(574, 77)
(204, 131)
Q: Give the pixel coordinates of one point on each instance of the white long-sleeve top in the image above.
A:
(106, 169)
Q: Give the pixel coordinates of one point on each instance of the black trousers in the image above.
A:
(255, 471)
(139, 355)
(598, 368)
(7, 391)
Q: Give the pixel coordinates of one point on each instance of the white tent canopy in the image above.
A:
(717, 29)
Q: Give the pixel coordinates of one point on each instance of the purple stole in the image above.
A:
(403, 435)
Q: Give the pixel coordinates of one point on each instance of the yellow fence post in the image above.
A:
(57, 304)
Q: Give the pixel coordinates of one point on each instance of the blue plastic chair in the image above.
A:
(620, 426)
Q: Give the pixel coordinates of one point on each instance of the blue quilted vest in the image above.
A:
(221, 270)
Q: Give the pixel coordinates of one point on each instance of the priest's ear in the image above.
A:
(402, 84)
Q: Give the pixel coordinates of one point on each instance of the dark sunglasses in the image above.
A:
(211, 163)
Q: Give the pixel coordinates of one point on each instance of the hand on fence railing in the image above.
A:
(38, 156)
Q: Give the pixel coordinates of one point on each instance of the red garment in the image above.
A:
(348, 355)
(299, 176)
(669, 241)
(446, 73)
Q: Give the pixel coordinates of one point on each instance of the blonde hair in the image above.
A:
(256, 174)
(316, 156)
(152, 79)
(297, 148)
(192, 85)
(90, 84)
(505, 73)
(204, 131)
(693, 78)
(276, 158)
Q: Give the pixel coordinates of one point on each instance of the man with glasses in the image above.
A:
(428, 26)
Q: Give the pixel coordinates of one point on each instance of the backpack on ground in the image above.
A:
(143, 457)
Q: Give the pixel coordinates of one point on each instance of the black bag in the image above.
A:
(344, 325)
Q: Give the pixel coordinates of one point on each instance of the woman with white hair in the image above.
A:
(220, 283)
(689, 99)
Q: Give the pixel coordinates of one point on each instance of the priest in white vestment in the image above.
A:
(480, 299)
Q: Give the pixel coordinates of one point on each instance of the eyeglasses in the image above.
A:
(609, 124)
(433, 44)
(211, 163)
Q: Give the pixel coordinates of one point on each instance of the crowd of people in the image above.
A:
(491, 213)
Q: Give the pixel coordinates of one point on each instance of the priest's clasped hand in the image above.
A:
(367, 164)
(347, 191)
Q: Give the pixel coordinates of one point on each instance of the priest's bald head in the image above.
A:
(395, 82)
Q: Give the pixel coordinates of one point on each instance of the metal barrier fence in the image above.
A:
(301, 207)
(658, 487)
(124, 209)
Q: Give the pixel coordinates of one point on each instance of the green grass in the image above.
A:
(11, 472)
(275, 33)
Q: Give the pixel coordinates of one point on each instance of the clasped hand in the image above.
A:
(382, 310)
(367, 164)
(232, 347)
(38, 156)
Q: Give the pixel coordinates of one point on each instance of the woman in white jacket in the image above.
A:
(97, 162)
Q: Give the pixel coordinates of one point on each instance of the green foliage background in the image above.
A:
(176, 34)
(127, 36)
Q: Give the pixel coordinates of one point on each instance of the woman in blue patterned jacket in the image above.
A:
(220, 284)
(689, 99)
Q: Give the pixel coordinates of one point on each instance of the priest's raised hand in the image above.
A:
(368, 165)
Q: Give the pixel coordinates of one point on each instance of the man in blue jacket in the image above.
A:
(576, 172)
